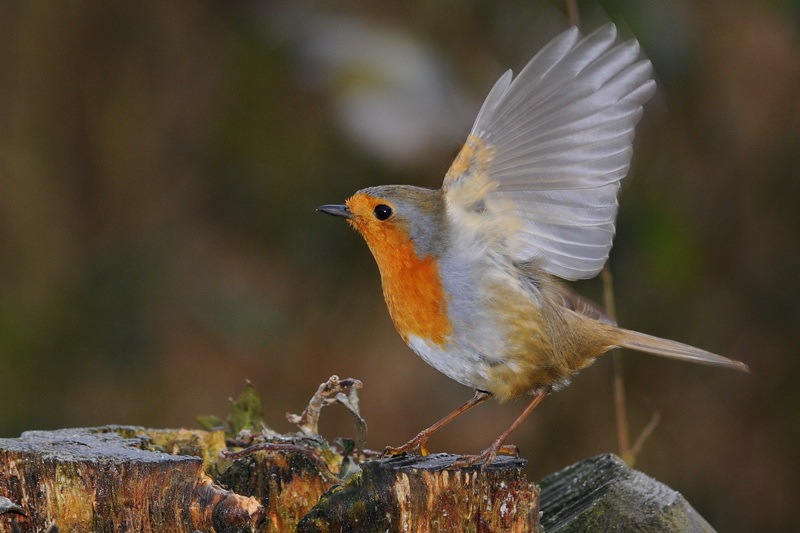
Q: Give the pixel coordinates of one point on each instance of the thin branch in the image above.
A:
(628, 453)
(573, 13)
(620, 407)
(643, 436)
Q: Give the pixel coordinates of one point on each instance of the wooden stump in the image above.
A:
(99, 480)
(420, 494)
(122, 479)
(288, 483)
(132, 479)
(604, 494)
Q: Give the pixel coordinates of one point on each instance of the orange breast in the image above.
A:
(414, 294)
(411, 284)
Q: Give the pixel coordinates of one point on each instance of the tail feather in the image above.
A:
(642, 342)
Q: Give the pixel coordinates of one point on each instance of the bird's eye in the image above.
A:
(382, 211)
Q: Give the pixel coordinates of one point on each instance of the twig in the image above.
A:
(627, 452)
(620, 407)
(643, 436)
(573, 13)
(345, 392)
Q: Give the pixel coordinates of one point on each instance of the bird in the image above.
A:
(473, 273)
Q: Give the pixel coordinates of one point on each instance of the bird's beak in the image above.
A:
(336, 210)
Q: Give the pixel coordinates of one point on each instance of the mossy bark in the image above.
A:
(133, 479)
(421, 494)
(604, 494)
(115, 479)
(287, 483)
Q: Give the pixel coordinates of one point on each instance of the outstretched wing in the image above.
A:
(551, 146)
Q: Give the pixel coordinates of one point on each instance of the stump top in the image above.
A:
(441, 461)
(111, 444)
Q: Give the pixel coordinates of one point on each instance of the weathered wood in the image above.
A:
(100, 480)
(419, 494)
(121, 479)
(604, 494)
(288, 483)
(132, 479)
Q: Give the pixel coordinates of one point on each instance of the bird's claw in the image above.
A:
(419, 442)
(487, 456)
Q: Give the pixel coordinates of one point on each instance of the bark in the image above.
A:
(132, 479)
(420, 494)
(102, 480)
(604, 494)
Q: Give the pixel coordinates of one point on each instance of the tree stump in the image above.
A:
(108, 479)
(605, 494)
(288, 483)
(133, 479)
(420, 494)
(123, 479)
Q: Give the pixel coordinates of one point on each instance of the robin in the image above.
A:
(469, 271)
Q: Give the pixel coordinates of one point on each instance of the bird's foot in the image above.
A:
(419, 442)
(487, 456)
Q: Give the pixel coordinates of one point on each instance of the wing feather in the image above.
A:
(550, 147)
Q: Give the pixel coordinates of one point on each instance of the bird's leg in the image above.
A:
(486, 457)
(420, 441)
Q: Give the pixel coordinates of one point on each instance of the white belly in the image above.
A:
(465, 367)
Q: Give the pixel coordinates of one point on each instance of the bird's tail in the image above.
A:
(675, 350)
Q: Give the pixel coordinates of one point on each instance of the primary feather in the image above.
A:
(550, 147)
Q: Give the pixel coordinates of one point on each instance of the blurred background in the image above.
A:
(160, 164)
